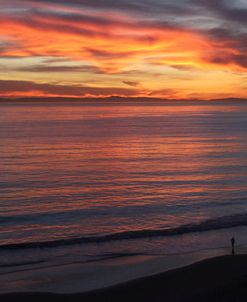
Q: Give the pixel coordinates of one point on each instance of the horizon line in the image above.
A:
(113, 99)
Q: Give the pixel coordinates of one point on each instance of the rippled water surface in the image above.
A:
(72, 170)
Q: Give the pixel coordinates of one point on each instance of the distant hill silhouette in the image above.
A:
(113, 99)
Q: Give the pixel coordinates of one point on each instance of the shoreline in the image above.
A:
(70, 278)
(67, 271)
(221, 278)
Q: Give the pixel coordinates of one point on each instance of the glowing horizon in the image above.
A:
(170, 49)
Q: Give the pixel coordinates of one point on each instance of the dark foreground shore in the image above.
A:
(218, 279)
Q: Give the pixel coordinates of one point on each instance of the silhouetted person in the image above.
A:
(233, 245)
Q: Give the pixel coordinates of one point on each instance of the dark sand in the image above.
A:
(218, 279)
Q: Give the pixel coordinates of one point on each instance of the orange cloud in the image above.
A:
(115, 43)
(87, 39)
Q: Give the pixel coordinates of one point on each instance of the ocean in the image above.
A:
(92, 180)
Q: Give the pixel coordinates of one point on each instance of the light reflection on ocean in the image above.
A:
(74, 170)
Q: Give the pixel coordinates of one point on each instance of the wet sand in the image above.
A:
(221, 278)
(80, 276)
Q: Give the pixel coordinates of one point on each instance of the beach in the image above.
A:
(82, 276)
(220, 278)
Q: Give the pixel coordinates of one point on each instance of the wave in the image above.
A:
(14, 264)
(207, 225)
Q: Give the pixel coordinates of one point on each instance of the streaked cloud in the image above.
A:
(61, 68)
(113, 44)
(131, 83)
(22, 88)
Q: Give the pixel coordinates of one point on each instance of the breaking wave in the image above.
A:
(207, 225)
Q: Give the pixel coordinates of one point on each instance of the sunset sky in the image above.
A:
(98, 48)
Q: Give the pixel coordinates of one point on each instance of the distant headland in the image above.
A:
(114, 99)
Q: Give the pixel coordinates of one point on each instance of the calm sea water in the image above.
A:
(71, 170)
